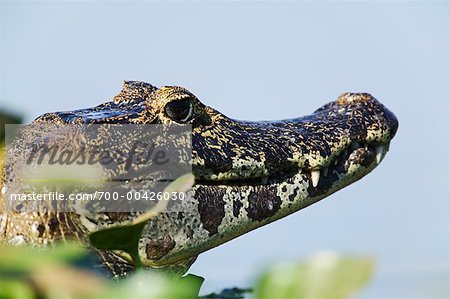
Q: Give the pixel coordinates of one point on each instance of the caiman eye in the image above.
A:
(179, 110)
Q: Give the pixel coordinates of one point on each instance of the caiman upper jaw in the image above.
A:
(239, 150)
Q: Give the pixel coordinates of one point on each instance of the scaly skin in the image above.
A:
(247, 174)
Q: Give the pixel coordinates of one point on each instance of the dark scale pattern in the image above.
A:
(211, 208)
(263, 203)
(156, 249)
(237, 205)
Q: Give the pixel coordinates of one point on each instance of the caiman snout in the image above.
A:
(348, 99)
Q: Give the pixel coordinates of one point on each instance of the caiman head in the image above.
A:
(340, 142)
(247, 174)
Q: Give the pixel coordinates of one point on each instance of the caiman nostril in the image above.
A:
(349, 98)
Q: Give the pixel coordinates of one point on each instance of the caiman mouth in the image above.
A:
(348, 161)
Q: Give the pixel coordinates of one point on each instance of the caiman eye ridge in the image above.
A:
(247, 174)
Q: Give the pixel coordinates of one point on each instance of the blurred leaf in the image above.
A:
(67, 282)
(7, 118)
(20, 259)
(27, 272)
(15, 289)
(189, 285)
(155, 285)
(50, 276)
(125, 237)
(325, 276)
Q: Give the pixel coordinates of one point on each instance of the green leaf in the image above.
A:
(188, 286)
(30, 272)
(125, 238)
(26, 259)
(325, 276)
(154, 285)
(13, 289)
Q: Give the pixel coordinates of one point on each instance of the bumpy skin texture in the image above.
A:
(247, 174)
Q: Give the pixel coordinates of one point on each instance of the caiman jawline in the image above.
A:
(360, 153)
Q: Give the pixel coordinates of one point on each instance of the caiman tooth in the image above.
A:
(315, 176)
(379, 153)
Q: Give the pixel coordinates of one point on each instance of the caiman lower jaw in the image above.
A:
(358, 158)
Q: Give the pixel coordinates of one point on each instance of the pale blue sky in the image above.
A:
(271, 60)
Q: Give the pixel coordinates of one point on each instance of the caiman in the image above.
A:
(247, 174)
